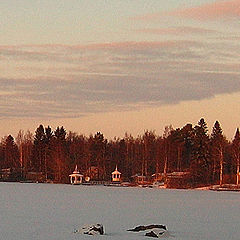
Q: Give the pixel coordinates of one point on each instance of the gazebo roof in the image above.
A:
(116, 171)
(76, 172)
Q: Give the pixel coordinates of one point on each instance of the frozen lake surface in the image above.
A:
(52, 211)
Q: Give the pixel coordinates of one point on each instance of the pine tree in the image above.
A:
(47, 151)
(218, 143)
(166, 143)
(77, 150)
(149, 150)
(98, 155)
(236, 153)
(39, 149)
(11, 153)
(200, 155)
(59, 155)
(187, 135)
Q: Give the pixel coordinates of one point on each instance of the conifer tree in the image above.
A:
(47, 151)
(200, 157)
(39, 149)
(166, 143)
(218, 143)
(59, 155)
(98, 154)
(187, 135)
(149, 150)
(77, 151)
(236, 153)
(11, 153)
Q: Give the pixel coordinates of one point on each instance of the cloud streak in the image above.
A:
(75, 80)
(216, 10)
(209, 11)
(178, 30)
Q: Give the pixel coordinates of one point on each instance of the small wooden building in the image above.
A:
(94, 173)
(35, 177)
(158, 177)
(76, 178)
(178, 180)
(139, 179)
(116, 176)
(11, 174)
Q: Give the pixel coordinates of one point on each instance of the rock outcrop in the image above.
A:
(144, 228)
(156, 230)
(92, 229)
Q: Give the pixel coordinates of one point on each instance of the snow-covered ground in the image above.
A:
(53, 212)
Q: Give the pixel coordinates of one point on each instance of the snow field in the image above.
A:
(54, 211)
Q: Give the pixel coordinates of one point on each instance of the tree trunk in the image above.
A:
(237, 171)
(179, 152)
(165, 166)
(214, 170)
(221, 168)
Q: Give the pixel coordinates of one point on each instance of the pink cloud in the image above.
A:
(177, 30)
(130, 45)
(108, 45)
(94, 46)
(215, 10)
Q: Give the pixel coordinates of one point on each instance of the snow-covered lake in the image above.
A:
(53, 212)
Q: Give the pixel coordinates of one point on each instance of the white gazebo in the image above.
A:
(76, 177)
(116, 176)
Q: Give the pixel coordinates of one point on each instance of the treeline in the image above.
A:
(209, 157)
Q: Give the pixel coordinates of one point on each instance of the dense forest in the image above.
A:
(209, 157)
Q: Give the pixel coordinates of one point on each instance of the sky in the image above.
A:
(119, 66)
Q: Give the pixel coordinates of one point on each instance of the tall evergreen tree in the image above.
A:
(200, 155)
(59, 156)
(98, 154)
(27, 152)
(236, 153)
(218, 144)
(39, 149)
(187, 135)
(167, 145)
(77, 151)
(11, 153)
(149, 151)
(48, 138)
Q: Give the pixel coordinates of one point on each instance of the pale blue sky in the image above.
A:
(78, 21)
(82, 59)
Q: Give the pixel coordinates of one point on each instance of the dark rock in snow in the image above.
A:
(151, 234)
(93, 229)
(144, 228)
(156, 233)
(157, 230)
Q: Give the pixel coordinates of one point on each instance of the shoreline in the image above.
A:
(218, 188)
